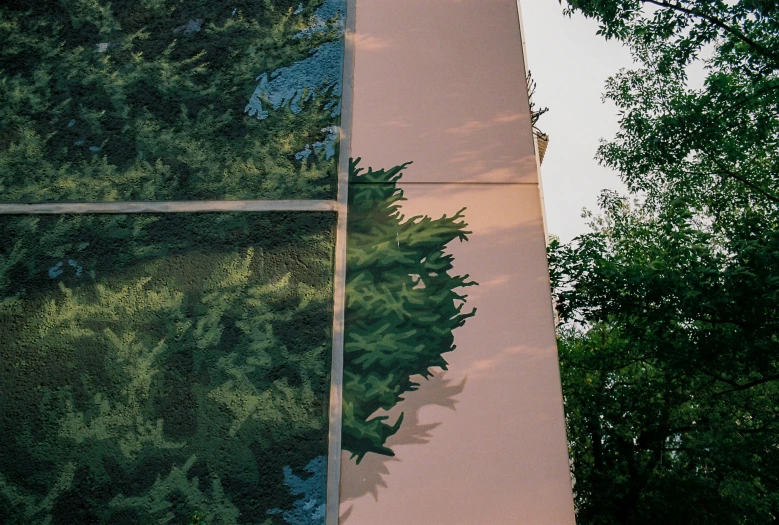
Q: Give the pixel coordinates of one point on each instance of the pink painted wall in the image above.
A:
(442, 83)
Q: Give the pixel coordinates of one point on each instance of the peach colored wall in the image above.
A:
(442, 83)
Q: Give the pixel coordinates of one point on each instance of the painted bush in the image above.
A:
(403, 303)
(169, 99)
(165, 368)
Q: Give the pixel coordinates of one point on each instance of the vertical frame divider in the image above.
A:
(339, 281)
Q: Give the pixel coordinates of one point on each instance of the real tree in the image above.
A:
(669, 338)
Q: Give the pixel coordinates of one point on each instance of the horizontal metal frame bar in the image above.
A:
(62, 208)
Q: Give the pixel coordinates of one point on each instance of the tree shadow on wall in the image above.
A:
(369, 475)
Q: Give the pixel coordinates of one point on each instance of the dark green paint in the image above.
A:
(402, 304)
(175, 378)
(145, 100)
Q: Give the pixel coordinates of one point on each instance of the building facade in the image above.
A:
(274, 262)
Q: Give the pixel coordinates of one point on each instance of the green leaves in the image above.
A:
(145, 101)
(669, 306)
(715, 144)
(180, 369)
(667, 351)
(402, 304)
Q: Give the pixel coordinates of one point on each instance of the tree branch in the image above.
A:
(726, 172)
(617, 367)
(717, 22)
(737, 387)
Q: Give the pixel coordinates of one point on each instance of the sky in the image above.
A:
(570, 65)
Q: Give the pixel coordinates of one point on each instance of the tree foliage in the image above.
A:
(145, 100)
(160, 367)
(670, 363)
(718, 144)
(669, 340)
(403, 304)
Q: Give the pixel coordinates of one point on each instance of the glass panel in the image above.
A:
(165, 368)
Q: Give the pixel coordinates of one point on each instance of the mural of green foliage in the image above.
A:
(164, 369)
(402, 304)
(159, 99)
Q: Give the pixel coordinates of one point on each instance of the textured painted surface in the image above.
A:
(484, 442)
(300, 82)
(165, 368)
(169, 100)
(442, 83)
(403, 303)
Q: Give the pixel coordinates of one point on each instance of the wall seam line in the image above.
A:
(452, 183)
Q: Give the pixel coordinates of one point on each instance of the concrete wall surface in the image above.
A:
(442, 83)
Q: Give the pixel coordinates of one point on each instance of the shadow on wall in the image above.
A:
(507, 352)
(368, 476)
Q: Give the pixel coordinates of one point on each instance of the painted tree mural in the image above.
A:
(403, 304)
(169, 99)
(157, 366)
(175, 368)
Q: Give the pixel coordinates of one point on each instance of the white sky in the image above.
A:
(570, 64)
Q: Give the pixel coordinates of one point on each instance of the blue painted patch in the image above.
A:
(330, 15)
(300, 82)
(328, 145)
(74, 264)
(310, 509)
(55, 271)
(319, 73)
(193, 26)
(300, 155)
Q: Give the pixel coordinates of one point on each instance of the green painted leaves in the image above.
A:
(183, 370)
(145, 101)
(402, 304)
